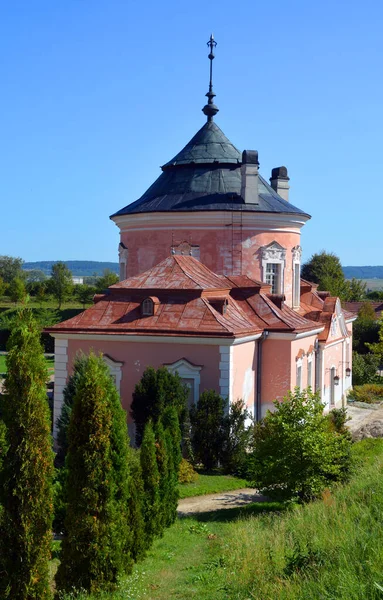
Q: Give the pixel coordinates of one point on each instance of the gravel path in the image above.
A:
(211, 502)
(362, 416)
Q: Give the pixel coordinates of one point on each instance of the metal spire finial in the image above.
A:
(210, 109)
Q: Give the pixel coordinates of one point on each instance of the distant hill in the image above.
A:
(363, 272)
(80, 268)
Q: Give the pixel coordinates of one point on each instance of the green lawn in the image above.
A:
(328, 550)
(211, 484)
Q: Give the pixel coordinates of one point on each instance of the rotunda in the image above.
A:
(211, 202)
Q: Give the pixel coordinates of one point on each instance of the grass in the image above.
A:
(327, 550)
(211, 484)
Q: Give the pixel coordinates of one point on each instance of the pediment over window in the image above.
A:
(190, 375)
(273, 251)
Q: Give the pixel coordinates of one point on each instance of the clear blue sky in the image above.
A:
(97, 94)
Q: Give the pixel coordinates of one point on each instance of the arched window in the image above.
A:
(147, 309)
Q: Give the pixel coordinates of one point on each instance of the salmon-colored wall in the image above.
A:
(136, 356)
(335, 356)
(149, 246)
(244, 373)
(276, 371)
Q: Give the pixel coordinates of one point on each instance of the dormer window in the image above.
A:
(147, 308)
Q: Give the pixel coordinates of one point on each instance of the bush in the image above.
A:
(207, 421)
(157, 390)
(364, 368)
(186, 473)
(96, 547)
(26, 476)
(370, 393)
(237, 434)
(296, 454)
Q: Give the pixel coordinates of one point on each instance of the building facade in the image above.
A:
(210, 287)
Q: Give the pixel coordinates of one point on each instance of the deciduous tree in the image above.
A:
(16, 290)
(60, 283)
(107, 279)
(296, 453)
(10, 268)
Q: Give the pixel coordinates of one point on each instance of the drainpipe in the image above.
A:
(259, 375)
(317, 365)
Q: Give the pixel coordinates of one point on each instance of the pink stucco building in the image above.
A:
(210, 287)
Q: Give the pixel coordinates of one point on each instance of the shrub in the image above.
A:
(296, 454)
(186, 473)
(164, 464)
(370, 393)
(157, 390)
(233, 455)
(207, 421)
(338, 419)
(96, 546)
(26, 477)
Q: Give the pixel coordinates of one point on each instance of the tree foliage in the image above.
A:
(10, 268)
(151, 483)
(60, 283)
(96, 547)
(323, 265)
(207, 428)
(173, 446)
(296, 453)
(84, 293)
(157, 389)
(26, 478)
(16, 290)
(107, 279)
(364, 368)
(236, 438)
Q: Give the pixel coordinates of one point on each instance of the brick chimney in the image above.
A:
(249, 175)
(279, 181)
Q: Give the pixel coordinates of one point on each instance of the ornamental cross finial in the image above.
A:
(210, 109)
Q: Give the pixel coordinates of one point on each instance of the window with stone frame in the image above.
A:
(273, 266)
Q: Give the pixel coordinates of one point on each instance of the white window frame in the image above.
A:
(275, 254)
(310, 370)
(187, 370)
(296, 254)
(299, 371)
(115, 369)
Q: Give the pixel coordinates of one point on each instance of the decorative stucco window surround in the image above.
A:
(186, 370)
(123, 253)
(186, 249)
(273, 266)
(115, 369)
(299, 363)
(296, 255)
(310, 369)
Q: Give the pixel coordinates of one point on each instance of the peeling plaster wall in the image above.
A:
(244, 373)
(136, 356)
(148, 245)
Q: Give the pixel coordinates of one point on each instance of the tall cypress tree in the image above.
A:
(173, 444)
(165, 465)
(151, 480)
(136, 505)
(26, 477)
(96, 547)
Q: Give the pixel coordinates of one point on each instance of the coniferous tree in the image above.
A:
(135, 506)
(151, 481)
(96, 547)
(173, 443)
(157, 389)
(26, 477)
(207, 420)
(164, 464)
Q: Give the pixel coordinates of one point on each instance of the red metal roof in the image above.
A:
(191, 300)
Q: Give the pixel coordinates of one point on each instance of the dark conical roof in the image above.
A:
(206, 176)
(209, 145)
